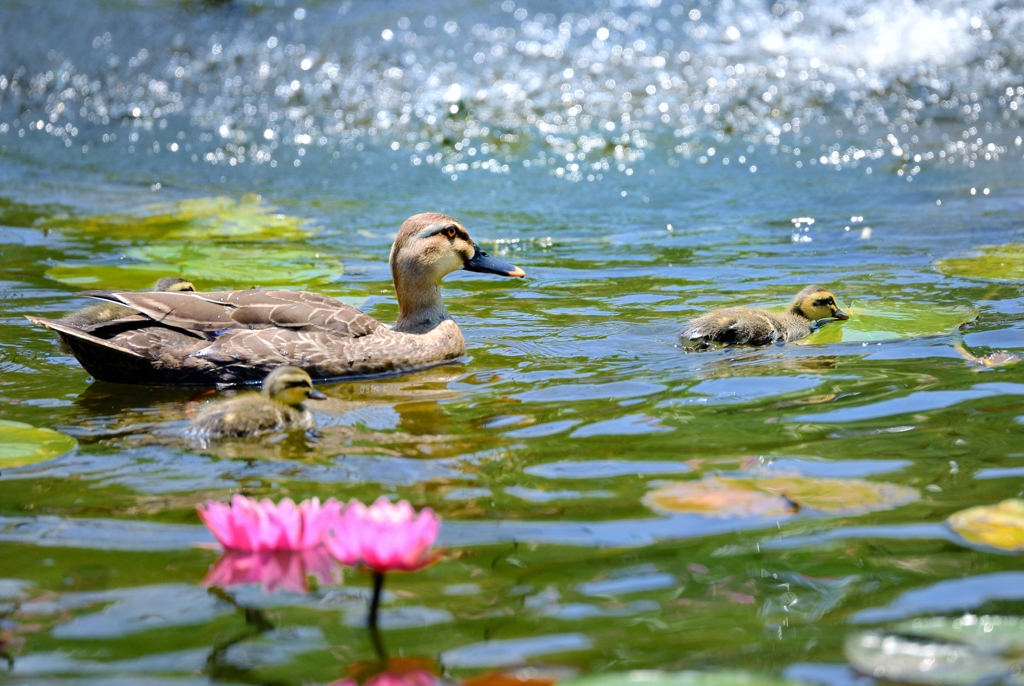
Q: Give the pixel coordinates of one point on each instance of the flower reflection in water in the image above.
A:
(412, 677)
(274, 570)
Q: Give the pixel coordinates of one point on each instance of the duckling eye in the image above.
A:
(450, 231)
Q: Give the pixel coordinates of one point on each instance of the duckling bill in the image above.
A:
(279, 407)
(754, 326)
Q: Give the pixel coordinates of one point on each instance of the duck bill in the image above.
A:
(484, 263)
(317, 395)
(840, 315)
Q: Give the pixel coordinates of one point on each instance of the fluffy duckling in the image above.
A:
(108, 311)
(278, 408)
(753, 326)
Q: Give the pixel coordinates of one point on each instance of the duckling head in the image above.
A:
(428, 247)
(173, 284)
(815, 302)
(291, 386)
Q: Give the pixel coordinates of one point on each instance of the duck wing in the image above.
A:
(251, 309)
(240, 355)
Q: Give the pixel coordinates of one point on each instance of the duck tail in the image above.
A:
(104, 360)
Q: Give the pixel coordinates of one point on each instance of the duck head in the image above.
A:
(173, 284)
(815, 302)
(428, 247)
(291, 386)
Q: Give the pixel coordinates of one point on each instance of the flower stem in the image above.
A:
(371, 622)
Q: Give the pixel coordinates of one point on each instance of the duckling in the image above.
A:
(278, 408)
(109, 311)
(753, 326)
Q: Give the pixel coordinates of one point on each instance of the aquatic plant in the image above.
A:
(252, 525)
(384, 537)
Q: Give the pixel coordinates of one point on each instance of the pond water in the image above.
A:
(642, 162)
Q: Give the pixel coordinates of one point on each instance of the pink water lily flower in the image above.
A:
(384, 537)
(259, 525)
(277, 570)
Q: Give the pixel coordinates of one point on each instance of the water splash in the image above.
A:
(580, 91)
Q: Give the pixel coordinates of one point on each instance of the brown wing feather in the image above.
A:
(253, 309)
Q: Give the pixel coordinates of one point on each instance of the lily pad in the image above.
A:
(717, 498)
(950, 651)
(777, 496)
(659, 678)
(998, 526)
(210, 266)
(23, 444)
(217, 219)
(215, 243)
(991, 262)
(881, 321)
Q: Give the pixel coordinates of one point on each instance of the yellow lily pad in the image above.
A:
(998, 526)
(991, 262)
(776, 496)
(717, 498)
(24, 444)
(880, 321)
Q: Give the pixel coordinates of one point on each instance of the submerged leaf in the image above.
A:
(718, 498)
(211, 266)
(24, 444)
(880, 321)
(951, 651)
(996, 359)
(659, 678)
(216, 243)
(992, 262)
(999, 526)
(198, 219)
(738, 497)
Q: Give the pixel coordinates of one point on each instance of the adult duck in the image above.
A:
(754, 326)
(238, 336)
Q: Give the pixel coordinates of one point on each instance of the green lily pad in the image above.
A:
(881, 321)
(210, 266)
(217, 219)
(948, 651)
(22, 444)
(998, 526)
(991, 262)
(659, 678)
(776, 496)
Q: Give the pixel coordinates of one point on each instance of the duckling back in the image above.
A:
(250, 414)
(744, 326)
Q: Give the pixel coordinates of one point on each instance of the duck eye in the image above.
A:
(450, 231)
